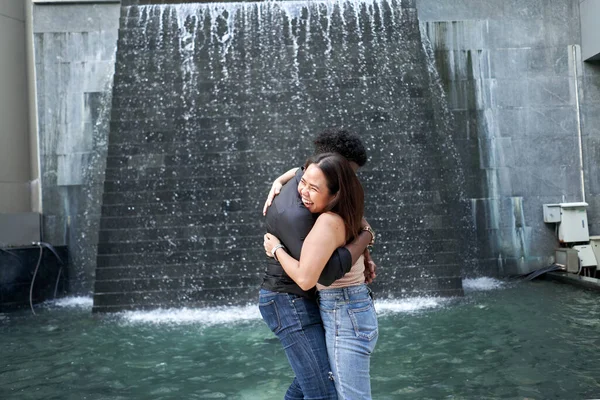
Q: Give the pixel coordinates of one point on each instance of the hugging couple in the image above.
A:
(314, 294)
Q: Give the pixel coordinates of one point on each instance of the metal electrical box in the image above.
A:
(568, 259)
(573, 224)
(595, 245)
(586, 255)
(551, 213)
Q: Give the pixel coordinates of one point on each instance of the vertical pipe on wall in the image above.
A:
(576, 57)
(35, 183)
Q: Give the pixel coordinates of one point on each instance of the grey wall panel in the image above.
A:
(14, 197)
(15, 171)
(12, 9)
(93, 18)
(74, 46)
(509, 70)
(19, 229)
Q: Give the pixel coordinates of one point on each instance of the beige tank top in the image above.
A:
(354, 277)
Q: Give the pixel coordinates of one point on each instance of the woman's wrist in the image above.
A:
(274, 250)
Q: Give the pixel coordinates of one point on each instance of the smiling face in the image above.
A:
(313, 190)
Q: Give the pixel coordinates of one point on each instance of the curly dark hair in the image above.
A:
(341, 141)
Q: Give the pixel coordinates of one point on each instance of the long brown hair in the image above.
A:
(349, 201)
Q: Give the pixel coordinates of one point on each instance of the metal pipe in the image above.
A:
(577, 106)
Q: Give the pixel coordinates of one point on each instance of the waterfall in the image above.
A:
(212, 101)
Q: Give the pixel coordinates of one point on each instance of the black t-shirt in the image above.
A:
(290, 221)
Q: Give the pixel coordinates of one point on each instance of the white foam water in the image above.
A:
(231, 315)
(409, 305)
(72, 302)
(204, 316)
(482, 284)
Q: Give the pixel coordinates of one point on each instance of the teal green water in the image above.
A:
(522, 341)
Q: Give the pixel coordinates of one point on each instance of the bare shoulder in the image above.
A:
(330, 219)
(329, 228)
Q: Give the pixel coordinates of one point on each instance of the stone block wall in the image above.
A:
(210, 103)
(16, 174)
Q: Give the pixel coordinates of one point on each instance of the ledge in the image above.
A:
(577, 280)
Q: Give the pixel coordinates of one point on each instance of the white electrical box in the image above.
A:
(568, 259)
(595, 245)
(572, 220)
(574, 225)
(551, 213)
(586, 255)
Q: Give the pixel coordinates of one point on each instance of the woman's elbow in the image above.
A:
(306, 284)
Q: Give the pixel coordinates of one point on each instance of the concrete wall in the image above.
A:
(15, 172)
(518, 90)
(74, 48)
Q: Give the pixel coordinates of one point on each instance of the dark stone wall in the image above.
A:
(211, 103)
(17, 268)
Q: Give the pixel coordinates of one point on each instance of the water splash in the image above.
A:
(410, 305)
(183, 316)
(71, 302)
(482, 284)
(234, 315)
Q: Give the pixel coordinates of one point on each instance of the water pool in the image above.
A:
(501, 341)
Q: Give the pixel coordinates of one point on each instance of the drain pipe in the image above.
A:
(41, 245)
(575, 53)
(34, 275)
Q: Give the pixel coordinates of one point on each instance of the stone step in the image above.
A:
(201, 281)
(113, 302)
(176, 271)
(391, 257)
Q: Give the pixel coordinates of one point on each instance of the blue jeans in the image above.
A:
(296, 321)
(351, 333)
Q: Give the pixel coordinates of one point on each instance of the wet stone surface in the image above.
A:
(212, 102)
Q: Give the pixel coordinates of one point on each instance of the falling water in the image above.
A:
(212, 101)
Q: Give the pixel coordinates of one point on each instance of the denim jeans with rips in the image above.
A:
(351, 333)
